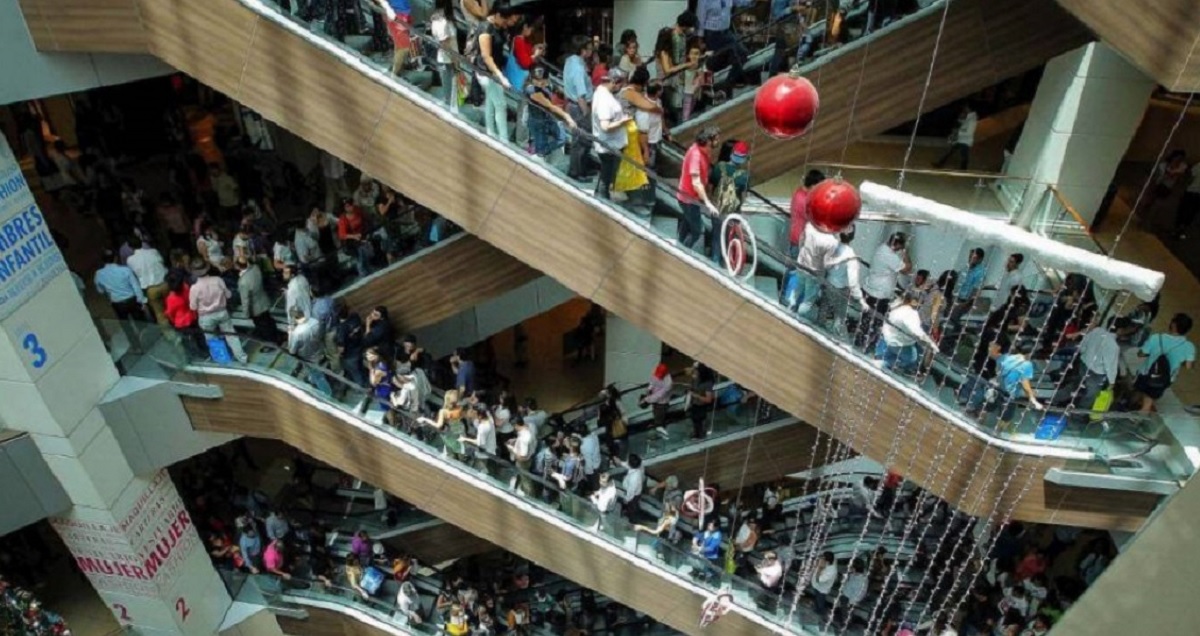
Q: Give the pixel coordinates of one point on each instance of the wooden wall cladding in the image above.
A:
(878, 86)
(553, 230)
(1158, 37)
(264, 410)
(437, 285)
(85, 26)
(773, 455)
(442, 542)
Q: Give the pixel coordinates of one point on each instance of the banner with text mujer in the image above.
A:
(29, 259)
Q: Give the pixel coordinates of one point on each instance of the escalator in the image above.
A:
(878, 82)
(340, 101)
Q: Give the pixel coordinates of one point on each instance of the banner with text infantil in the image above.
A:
(29, 259)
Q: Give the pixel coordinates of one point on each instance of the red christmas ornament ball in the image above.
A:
(833, 205)
(785, 106)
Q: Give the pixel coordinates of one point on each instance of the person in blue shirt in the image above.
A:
(577, 87)
(969, 286)
(251, 547)
(708, 544)
(120, 286)
(464, 371)
(1013, 373)
(1180, 353)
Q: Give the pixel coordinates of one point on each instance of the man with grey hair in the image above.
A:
(608, 129)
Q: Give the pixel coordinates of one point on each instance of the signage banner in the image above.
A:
(29, 259)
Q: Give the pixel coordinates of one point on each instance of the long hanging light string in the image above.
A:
(831, 442)
(817, 542)
(896, 571)
(905, 419)
(991, 544)
(937, 44)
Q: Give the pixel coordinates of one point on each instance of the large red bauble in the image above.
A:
(785, 106)
(833, 205)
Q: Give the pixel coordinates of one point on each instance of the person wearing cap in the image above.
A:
(208, 297)
(608, 129)
(352, 232)
(658, 397)
(692, 191)
(120, 285)
(732, 183)
(544, 115)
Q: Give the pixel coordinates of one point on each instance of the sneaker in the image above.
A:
(663, 432)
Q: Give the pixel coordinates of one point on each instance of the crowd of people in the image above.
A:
(22, 614)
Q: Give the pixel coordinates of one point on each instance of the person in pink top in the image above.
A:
(692, 192)
(658, 397)
(207, 297)
(274, 559)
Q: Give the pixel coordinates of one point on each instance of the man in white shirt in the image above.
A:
(901, 332)
(534, 418)
(854, 587)
(633, 484)
(824, 576)
(484, 440)
(962, 139)
(441, 27)
(521, 447)
(890, 261)
(298, 294)
(604, 499)
(608, 127)
(1013, 278)
(590, 449)
(147, 265)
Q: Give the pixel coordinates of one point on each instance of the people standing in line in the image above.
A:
(658, 397)
(544, 117)
(962, 139)
(969, 288)
(897, 346)
(444, 32)
(1153, 380)
(147, 263)
(120, 285)
(348, 337)
(208, 298)
(843, 285)
(715, 18)
(890, 261)
(577, 88)
(492, 55)
(609, 130)
(670, 53)
(692, 191)
(701, 399)
(824, 576)
(255, 301)
(307, 342)
(298, 293)
(484, 440)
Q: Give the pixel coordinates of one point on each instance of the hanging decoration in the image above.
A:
(833, 205)
(716, 606)
(786, 105)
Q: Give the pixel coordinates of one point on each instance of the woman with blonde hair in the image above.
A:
(449, 425)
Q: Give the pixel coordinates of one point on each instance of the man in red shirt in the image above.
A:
(692, 192)
(799, 211)
(352, 232)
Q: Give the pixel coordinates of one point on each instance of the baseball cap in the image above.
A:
(741, 150)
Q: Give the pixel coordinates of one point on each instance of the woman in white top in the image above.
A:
(842, 278)
(889, 262)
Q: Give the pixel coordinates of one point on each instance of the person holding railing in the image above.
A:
(890, 261)
(843, 283)
(208, 298)
(490, 59)
(609, 130)
(897, 348)
(670, 52)
(307, 342)
(692, 191)
(484, 440)
(544, 116)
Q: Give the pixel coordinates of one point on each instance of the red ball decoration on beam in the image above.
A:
(785, 106)
(833, 205)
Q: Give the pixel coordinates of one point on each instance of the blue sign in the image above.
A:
(29, 259)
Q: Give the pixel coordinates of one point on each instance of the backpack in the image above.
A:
(728, 200)
(1157, 377)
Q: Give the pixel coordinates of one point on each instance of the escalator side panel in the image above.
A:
(110, 24)
(774, 455)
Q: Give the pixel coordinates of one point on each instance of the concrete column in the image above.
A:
(630, 355)
(129, 533)
(1087, 108)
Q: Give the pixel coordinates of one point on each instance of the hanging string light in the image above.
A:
(912, 140)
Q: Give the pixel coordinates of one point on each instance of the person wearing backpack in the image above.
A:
(1164, 354)
(733, 181)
